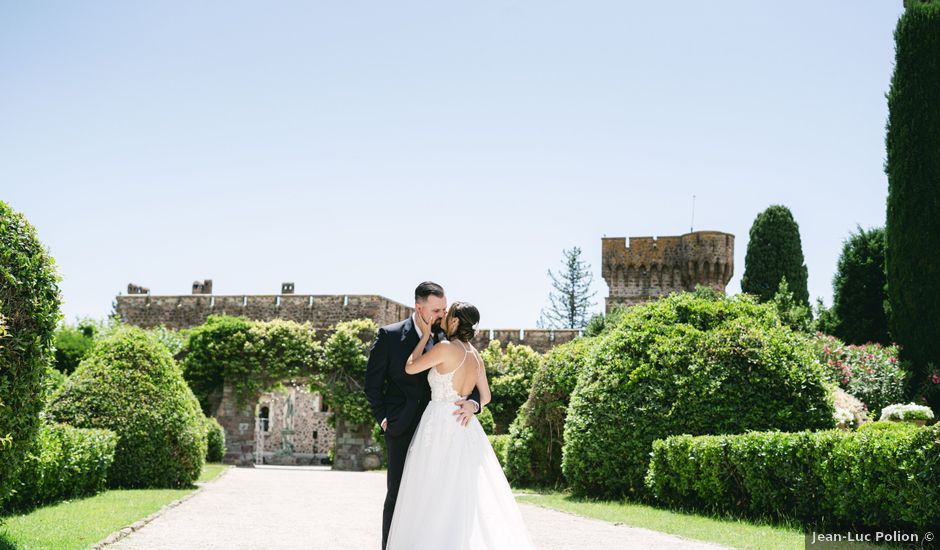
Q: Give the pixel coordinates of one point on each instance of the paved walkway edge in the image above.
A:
(121, 533)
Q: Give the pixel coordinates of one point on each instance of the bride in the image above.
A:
(453, 491)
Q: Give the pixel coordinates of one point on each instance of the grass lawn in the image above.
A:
(79, 523)
(728, 532)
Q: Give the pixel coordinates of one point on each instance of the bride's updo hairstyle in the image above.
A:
(467, 316)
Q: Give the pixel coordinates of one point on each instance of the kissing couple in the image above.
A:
(425, 382)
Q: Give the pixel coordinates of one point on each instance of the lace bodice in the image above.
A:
(442, 385)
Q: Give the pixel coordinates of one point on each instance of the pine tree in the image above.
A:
(774, 251)
(570, 300)
(912, 229)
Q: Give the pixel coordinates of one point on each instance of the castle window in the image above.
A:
(315, 434)
(264, 415)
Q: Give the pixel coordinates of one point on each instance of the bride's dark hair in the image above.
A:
(467, 315)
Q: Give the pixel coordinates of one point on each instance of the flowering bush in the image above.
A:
(844, 417)
(870, 372)
(906, 412)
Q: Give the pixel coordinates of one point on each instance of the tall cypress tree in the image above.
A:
(858, 289)
(912, 231)
(774, 251)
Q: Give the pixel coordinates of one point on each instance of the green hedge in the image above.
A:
(215, 440)
(29, 311)
(130, 384)
(536, 436)
(64, 462)
(696, 363)
(509, 371)
(886, 475)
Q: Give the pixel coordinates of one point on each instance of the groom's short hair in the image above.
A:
(427, 288)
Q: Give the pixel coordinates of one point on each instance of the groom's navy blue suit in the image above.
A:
(399, 397)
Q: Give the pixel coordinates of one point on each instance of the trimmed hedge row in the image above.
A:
(64, 462)
(886, 475)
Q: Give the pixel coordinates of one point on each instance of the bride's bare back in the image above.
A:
(464, 379)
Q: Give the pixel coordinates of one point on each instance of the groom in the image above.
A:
(398, 399)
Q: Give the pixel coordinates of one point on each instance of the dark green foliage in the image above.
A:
(486, 420)
(858, 289)
(536, 436)
(342, 368)
(601, 322)
(794, 314)
(774, 251)
(913, 211)
(509, 372)
(215, 440)
(252, 356)
(499, 443)
(130, 384)
(72, 344)
(64, 462)
(29, 311)
(686, 363)
(883, 476)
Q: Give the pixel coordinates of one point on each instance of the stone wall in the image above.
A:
(651, 267)
(298, 430)
(322, 311)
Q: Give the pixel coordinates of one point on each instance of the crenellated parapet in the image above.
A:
(650, 267)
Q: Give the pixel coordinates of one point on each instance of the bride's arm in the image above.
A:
(419, 361)
(484, 386)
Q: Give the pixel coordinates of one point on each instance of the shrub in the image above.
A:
(72, 344)
(878, 477)
(499, 442)
(870, 372)
(510, 373)
(63, 462)
(687, 363)
(130, 384)
(486, 420)
(215, 440)
(910, 411)
(536, 436)
(29, 311)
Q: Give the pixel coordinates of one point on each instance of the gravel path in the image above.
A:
(316, 508)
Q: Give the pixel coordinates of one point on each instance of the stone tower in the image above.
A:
(651, 267)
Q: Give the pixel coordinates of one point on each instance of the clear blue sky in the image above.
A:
(361, 147)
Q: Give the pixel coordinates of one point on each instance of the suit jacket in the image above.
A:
(392, 393)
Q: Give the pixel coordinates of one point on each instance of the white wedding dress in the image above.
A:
(453, 494)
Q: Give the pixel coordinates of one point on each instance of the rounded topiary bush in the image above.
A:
(29, 311)
(536, 436)
(131, 385)
(693, 363)
(215, 440)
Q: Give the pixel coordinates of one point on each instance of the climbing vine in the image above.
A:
(342, 370)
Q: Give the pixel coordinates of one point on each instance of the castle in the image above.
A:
(651, 267)
(292, 427)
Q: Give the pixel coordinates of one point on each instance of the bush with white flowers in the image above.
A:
(910, 411)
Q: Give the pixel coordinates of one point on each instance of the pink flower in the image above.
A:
(893, 360)
(935, 378)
